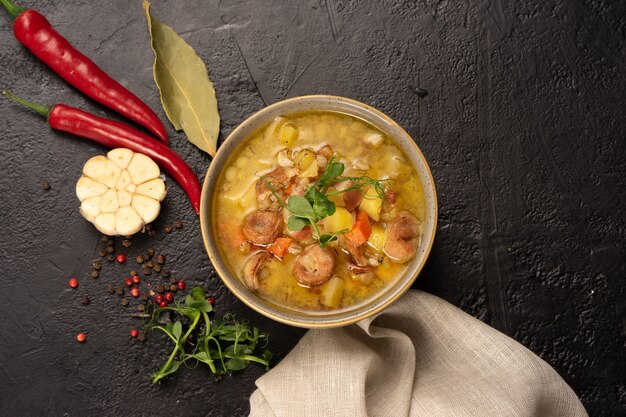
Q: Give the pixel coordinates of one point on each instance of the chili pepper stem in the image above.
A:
(37, 108)
(13, 9)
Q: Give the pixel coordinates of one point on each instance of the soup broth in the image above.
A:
(375, 229)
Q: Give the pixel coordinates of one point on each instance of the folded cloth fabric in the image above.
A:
(420, 357)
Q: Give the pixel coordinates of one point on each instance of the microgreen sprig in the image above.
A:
(225, 345)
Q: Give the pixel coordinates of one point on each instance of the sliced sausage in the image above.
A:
(402, 237)
(314, 266)
(252, 267)
(263, 226)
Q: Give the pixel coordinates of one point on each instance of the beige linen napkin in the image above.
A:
(420, 357)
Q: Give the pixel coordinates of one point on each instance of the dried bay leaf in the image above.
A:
(187, 93)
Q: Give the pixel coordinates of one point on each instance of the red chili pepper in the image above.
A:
(114, 134)
(37, 34)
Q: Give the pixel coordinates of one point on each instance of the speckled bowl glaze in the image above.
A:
(342, 316)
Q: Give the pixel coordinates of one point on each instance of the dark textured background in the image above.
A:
(523, 125)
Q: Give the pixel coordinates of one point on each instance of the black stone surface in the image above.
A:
(518, 106)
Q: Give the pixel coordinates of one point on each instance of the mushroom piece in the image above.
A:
(252, 267)
(403, 235)
(314, 266)
(263, 226)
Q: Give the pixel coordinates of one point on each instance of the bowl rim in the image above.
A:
(216, 258)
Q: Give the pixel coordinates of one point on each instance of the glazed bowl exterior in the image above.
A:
(341, 316)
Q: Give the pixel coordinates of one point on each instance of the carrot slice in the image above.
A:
(280, 246)
(361, 229)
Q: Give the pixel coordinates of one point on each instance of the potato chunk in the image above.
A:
(333, 291)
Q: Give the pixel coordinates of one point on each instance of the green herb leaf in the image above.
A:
(187, 93)
(296, 223)
(331, 173)
(326, 238)
(322, 206)
(177, 329)
(236, 364)
(300, 207)
(204, 358)
(198, 294)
